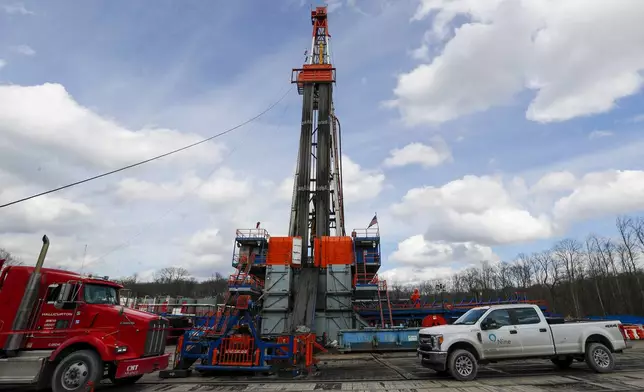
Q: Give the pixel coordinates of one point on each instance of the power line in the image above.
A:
(150, 159)
(171, 209)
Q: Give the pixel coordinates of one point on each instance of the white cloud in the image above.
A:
(2, 63)
(285, 189)
(44, 213)
(636, 119)
(418, 259)
(555, 182)
(602, 193)
(421, 154)
(410, 275)
(64, 251)
(421, 53)
(208, 251)
(476, 209)
(360, 184)
(49, 139)
(489, 211)
(474, 72)
(416, 251)
(48, 119)
(23, 49)
(333, 5)
(599, 134)
(16, 8)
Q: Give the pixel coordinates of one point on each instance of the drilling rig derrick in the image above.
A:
(317, 208)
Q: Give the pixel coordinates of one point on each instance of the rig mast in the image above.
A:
(317, 208)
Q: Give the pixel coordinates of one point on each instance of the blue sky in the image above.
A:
(496, 97)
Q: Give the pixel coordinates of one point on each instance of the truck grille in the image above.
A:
(425, 343)
(156, 338)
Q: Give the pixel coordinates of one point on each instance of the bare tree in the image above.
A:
(129, 281)
(504, 276)
(628, 231)
(171, 275)
(487, 276)
(9, 258)
(471, 279)
(522, 271)
(595, 269)
(568, 252)
(548, 273)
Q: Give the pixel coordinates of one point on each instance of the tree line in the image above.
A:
(176, 282)
(598, 275)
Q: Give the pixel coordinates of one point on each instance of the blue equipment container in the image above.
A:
(378, 339)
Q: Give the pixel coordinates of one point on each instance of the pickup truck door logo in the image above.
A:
(501, 341)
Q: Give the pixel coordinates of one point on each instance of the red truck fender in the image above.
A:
(98, 344)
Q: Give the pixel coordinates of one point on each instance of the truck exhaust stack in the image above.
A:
(21, 321)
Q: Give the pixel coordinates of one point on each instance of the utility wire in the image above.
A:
(150, 159)
(175, 206)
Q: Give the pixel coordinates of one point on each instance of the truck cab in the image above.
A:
(74, 331)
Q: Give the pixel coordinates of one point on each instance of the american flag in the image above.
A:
(374, 221)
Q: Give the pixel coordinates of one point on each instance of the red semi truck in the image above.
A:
(64, 331)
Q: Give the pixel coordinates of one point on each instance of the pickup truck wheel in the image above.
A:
(563, 363)
(76, 370)
(462, 365)
(599, 358)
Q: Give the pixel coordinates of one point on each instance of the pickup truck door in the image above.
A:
(534, 330)
(500, 339)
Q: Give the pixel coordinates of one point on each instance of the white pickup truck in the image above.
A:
(514, 332)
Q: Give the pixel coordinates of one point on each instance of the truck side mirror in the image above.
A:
(489, 324)
(65, 297)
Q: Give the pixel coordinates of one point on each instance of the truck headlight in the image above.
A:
(437, 340)
(120, 349)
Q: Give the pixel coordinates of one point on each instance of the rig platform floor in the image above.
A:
(401, 372)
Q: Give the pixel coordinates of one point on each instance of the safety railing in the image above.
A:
(365, 279)
(258, 260)
(251, 234)
(244, 280)
(368, 257)
(372, 232)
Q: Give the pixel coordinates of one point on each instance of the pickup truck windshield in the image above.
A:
(471, 317)
(98, 294)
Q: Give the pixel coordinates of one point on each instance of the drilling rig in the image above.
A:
(311, 279)
(314, 275)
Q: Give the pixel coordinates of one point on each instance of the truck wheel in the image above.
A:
(599, 358)
(562, 363)
(462, 365)
(76, 370)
